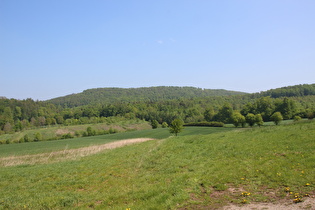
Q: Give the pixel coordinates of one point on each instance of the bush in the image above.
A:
(310, 115)
(206, 124)
(38, 137)
(112, 130)
(77, 133)
(90, 131)
(67, 136)
(164, 125)
(154, 124)
(26, 138)
(297, 118)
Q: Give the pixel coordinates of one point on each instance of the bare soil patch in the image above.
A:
(308, 203)
(67, 154)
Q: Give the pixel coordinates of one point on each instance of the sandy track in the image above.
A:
(70, 154)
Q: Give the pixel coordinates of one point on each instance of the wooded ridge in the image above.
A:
(162, 104)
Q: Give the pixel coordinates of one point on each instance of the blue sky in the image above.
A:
(54, 48)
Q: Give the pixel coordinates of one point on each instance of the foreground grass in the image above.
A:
(191, 171)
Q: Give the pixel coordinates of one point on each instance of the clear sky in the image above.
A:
(59, 47)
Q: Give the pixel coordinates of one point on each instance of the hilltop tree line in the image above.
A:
(290, 91)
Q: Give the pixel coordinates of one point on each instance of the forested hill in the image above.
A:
(289, 91)
(114, 95)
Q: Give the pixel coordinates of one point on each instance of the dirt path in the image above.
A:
(70, 154)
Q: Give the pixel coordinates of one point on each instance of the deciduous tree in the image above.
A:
(176, 126)
(276, 118)
(238, 119)
(251, 119)
(259, 120)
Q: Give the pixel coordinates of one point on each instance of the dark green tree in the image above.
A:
(287, 108)
(176, 126)
(17, 113)
(225, 114)
(154, 124)
(265, 107)
(209, 114)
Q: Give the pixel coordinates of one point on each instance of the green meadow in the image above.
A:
(203, 168)
(56, 132)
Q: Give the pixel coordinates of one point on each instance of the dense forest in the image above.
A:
(118, 95)
(161, 104)
(290, 91)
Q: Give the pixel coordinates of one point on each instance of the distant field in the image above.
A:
(55, 145)
(195, 170)
(56, 132)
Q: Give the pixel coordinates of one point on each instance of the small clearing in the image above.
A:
(67, 154)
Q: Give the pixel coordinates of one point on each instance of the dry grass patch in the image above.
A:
(66, 154)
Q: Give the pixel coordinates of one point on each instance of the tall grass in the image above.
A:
(189, 171)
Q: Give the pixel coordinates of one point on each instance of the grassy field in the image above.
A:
(56, 145)
(57, 132)
(193, 170)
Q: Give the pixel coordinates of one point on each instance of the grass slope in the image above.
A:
(191, 171)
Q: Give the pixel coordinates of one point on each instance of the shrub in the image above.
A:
(77, 133)
(90, 131)
(38, 137)
(297, 118)
(164, 125)
(154, 124)
(26, 138)
(111, 130)
(310, 115)
(67, 136)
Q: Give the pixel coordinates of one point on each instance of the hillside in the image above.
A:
(114, 95)
(289, 91)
